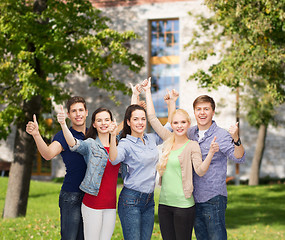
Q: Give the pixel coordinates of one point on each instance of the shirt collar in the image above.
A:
(209, 131)
(135, 139)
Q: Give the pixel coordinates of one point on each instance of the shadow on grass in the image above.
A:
(256, 206)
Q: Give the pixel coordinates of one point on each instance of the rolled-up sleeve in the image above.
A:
(122, 150)
(80, 147)
(227, 147)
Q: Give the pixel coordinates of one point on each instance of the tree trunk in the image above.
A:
(21, 169)
(259, 150)
(25, 148)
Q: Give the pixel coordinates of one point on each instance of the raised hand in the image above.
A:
(142, 104)
(61, 116)
(32, 127)
(113, 128)
(233, 130)
(214, 147)
(146, 84)
(137, 89)
(174, 95)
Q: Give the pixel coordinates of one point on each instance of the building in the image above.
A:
(165, 27)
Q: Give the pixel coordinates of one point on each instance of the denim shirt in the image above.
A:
(96, 157)
(140, 159)
(213, 183)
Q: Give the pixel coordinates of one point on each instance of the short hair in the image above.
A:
(204, 99)
(75, 99)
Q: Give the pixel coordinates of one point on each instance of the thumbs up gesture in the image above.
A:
(32, 127)
(61, 116)
(113, 128)
(233, 130)
(214, 147)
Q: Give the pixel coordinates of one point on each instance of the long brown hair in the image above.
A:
(127, 129)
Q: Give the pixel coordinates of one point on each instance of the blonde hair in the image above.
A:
(168, 144)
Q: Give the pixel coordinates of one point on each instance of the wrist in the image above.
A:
(237, 142)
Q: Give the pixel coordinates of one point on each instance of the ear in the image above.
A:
(128, 122)
(93, 124)
(68, 115)
(86, 112)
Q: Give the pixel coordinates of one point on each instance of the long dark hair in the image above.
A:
(92, 132)
(127, 129)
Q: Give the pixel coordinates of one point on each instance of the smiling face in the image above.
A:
(77, 114)
(137, 123)
(204, 114)
(180, 123)
(102, 122)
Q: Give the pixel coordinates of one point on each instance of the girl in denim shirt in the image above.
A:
(100, 181)
(138, 151)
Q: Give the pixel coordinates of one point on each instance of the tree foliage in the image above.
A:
(248, 37)
(42, 42)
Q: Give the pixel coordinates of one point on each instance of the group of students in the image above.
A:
(192, 169)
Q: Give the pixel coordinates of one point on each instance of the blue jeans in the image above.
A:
(136, 212)
(210, 219)
(70, 215)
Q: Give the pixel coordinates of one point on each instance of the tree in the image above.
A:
(248, 36)
(40, 38)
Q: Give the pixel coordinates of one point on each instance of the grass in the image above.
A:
(254, 213)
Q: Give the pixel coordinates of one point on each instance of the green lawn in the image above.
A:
(254, 213)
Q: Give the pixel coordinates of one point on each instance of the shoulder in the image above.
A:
(193, 145)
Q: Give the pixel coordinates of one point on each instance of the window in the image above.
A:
(164, 61)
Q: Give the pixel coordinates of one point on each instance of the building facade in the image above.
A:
(164, 28)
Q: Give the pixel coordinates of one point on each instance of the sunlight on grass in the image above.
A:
(253, 213)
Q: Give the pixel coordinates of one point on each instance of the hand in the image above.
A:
(233, 130)
(174, 95)
(142, 104)
(214, 147)
(32, 127)
(137, 89)
(112, 129)
(61, 116)
(146, 84)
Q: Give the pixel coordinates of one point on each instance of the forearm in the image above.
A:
(239, 151)
(113, 152)
(171, 109)
(68, 135)
(149, 103)
(47, 151)
(205, 164)
(135, 99)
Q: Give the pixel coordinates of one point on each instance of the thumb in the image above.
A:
(35, 118)
(214, 140)
(115, 121)
(131, 85)
(61, 109)
(237, 124)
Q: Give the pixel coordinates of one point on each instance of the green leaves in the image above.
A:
(252, 55)
(44, 41)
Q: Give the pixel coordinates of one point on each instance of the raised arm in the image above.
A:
(136, 90)
(66, 132)
(239, 150)
(113, 152)
(154, 122)
(170, 99)
(47, 151)
(146, 85)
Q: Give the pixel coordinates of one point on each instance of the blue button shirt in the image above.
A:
(74, 163)
(141, 159)
(213, 183)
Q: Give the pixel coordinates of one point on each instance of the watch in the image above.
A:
(238, 142)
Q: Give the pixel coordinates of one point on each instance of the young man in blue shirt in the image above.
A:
(210, 190)
(71, 196)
